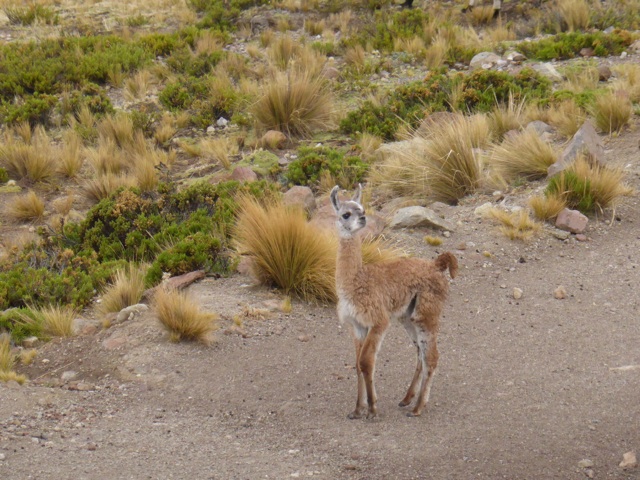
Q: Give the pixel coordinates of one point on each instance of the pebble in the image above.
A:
(517, 293)
(304, 338)
(2, 457)
(585, 463)
(629, 460)
(560, 293)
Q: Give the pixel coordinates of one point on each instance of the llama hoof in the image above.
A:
(372, 415)
(413, 414)
(354, 415)
(404, 403)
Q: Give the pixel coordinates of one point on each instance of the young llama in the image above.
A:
(411, 290)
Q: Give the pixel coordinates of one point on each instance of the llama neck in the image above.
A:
(349, 260)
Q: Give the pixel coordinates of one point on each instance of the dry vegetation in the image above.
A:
(195, 86)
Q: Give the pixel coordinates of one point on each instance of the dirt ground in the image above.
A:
(532, 388)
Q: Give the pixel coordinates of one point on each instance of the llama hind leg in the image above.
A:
(411, 392)
(429, 355)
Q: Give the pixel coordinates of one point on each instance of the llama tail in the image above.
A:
(447, 260)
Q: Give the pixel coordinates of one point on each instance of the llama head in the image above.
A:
(350, 214)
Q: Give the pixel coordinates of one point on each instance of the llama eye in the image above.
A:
(346, 216)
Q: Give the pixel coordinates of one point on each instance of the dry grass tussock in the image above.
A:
(296, 103)
(126, 289)
(612, 111)
(567, 117)
(292, 254)
(101, 186)
(523, 155)
(54, 320)
(628, 80)
(589, 186)
(137, 86)
(574, 13)
(436, 52)
(181, 316)
(26, 208)
(581, 77)
(517, 225)
(117, 129)
(442, 166)
(507, 117)
(70, 159)
(33, 160)
(546, 207)
(7, 361)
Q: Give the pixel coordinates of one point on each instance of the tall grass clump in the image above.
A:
(523, 155)
(296, 103)
(612, 111)
(546, 207)
(517, 225)
(505, 117)
(567, 117)
(440, 165)
(7, 361)
(291, 254)
(33, 160)
(574, 13)
(588, 187)
(52, 320)
(182, 317)
(26, 208)
(125, 290)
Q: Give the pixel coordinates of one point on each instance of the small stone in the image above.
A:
(560, 234)
(484, 59)
(587, 52)
(80, 387)
(560, 293)
(304, 338)
(572, 221)
(581, 237)
(2, 457)
(210, 130)
(68, 375)
(446, 234)
(589, 473)
(517, 293)
(29, 342)
(604, 73)
(623, 55)
(112, 343)
(92, 447)
(585, 463)
(222, 122)
(629, 460)
(128, 313)
(483, 209)
(244, 174)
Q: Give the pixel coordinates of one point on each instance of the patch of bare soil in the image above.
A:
(535, 387)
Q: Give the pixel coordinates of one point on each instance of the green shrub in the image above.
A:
(12, 321)
(29, 15)
(4, 176)
(568, 45)
(219, 13)
(382, 32)
(34, 110)
(409, 103)
(312, 162)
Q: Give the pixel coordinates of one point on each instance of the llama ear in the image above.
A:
(358, 195)
(334, 198)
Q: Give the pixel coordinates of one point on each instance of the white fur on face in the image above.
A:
(350, 218)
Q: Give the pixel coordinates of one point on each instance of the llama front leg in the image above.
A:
(368, 364)
(361, 401)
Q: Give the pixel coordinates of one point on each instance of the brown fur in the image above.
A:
(411, 290)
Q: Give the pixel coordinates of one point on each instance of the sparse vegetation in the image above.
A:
(7, 362)
(515, 225)
(523, 155)
(26, 208)
(612, 111)
(181, 316)
(126, 289)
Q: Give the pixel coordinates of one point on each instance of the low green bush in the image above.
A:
(313, 161)
(568, 45)
(12, 321)
(4, 176)
(409, 103)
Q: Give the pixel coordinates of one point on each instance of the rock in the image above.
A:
(262, 162)
(629, 461)
(114, 342)
(331, 73)
(604, 73)
(560, 234)
(2, 457)
(273, 140)
(68, 375)
(515, 57)
(517, 293)
(259, 23)
(29, 342)
(635, 46)
(560, 293)
(581, 237)
(243, 174)
(585, 140)
(180, 282)
(483, 210)
(539, 127)
(300, 196)
(414, 217)
(484, 58)
(304, 338)
(623, 55)
(80, 387)
(572, 221)
(585, 463)
(587, 52)
(222, 122)
(130, 312)
(211, 130)
(609, 30)
(589, 473)
(548, 70)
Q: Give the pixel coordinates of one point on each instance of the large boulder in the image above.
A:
(586, 141)
(548, 70)
(416, 216)
(300, 196)
(484, 60)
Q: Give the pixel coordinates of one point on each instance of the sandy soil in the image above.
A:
(528, 388)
